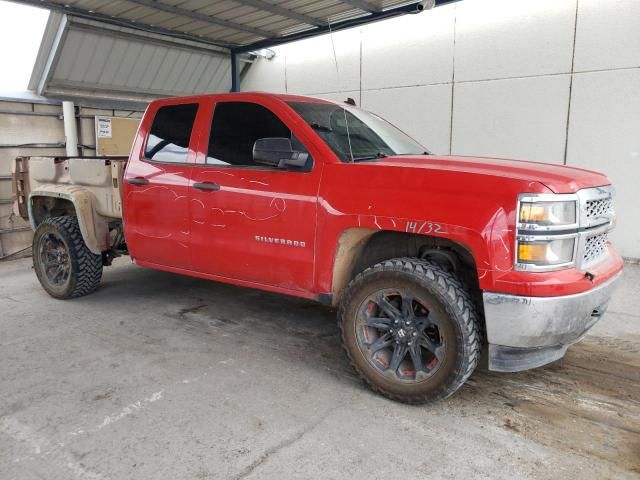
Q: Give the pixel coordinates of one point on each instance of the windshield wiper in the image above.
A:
(321, 128)
(370, 157)
(406, 154)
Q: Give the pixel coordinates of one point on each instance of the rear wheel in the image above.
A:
(65, 267)
(410, 330)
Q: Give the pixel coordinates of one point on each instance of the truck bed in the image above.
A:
(102, 176)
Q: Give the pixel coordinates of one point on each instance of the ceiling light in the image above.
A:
(264, 53)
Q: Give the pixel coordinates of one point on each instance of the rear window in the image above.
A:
(170, 133)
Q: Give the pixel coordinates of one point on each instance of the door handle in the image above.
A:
(206, 186)
(138, 181)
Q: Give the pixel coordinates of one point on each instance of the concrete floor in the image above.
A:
(161, 376)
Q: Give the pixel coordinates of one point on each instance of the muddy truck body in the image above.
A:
(428, 259)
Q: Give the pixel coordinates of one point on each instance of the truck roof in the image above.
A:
(284, 97)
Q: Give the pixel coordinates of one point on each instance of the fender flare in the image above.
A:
(341, 258)
(93, 226)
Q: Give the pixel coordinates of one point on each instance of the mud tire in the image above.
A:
(460, 321)
(84, 267)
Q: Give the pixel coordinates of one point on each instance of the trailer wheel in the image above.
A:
(410, 330)
(65, 267)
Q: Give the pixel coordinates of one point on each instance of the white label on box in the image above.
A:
(104, 127)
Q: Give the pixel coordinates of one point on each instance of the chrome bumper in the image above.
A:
(528, 332)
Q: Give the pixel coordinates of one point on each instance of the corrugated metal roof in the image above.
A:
(80, 58)
(126, 64)
(136, 50)
(228, 23)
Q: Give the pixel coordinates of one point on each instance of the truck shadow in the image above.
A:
(587, 403)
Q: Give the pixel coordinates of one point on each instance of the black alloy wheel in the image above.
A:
(400, 336)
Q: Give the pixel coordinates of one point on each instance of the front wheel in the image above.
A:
(65, 266)
(410, 330)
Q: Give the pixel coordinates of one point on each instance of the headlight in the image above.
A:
(546, 252)
(555, 231)
(548, 214)
(547, 231)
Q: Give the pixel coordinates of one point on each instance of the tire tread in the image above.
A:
(86, 264)
(448, 285)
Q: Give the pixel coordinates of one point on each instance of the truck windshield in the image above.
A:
(355, 135)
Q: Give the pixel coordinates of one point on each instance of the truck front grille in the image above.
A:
(599, 208)
(595, 248)
(597, 219)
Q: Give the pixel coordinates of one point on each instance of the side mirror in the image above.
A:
(277, 152)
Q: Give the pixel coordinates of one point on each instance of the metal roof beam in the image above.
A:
(413, 7)
(283, 12)
(54, 56)
(362, 5)
(203, 18)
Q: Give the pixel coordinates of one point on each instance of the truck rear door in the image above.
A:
(251, 221)
(156, 187)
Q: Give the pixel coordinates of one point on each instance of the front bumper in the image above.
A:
(528, 332)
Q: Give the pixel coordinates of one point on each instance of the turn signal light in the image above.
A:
(546, 252)
(532, 252)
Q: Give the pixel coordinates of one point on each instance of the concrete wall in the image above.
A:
(40, 125)
(550, 80)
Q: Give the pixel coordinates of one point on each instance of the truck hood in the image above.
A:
(557, 178)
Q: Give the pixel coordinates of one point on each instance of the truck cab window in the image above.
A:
(235, 128)
(170, 133)
(354, 134)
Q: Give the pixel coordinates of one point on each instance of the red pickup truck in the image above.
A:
(428, 258)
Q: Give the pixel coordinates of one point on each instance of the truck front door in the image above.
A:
(252, 221)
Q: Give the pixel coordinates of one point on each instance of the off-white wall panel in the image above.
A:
(608, 35)
(339, 96)
(522, 118)
(44, 108)
(424, 113)
(127, 113)
(87, 134)
(409, 50)
(267, 75)
(95, 111)
(21, 129)
(513, 38)
(23, 107)
(311, 66)
(604, 135)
